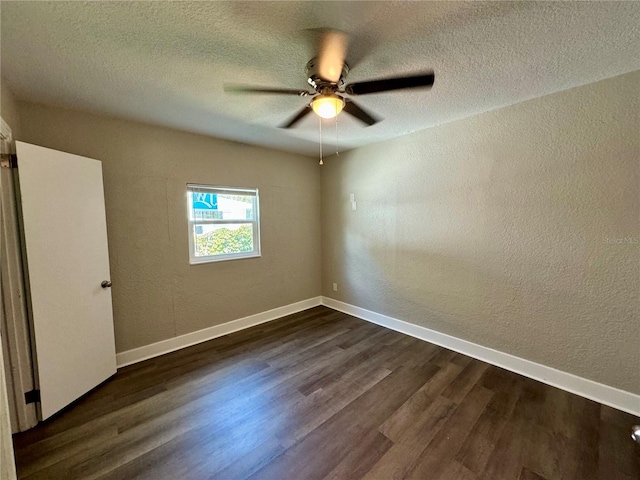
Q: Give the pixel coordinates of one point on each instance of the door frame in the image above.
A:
(15, 327)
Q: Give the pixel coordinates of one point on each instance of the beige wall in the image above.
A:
(502, 229)
(156, 293)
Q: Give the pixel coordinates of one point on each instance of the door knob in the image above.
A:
(106, 284)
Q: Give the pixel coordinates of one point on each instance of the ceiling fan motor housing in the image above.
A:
(318, 83)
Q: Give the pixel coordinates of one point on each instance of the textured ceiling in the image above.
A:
(166, 62)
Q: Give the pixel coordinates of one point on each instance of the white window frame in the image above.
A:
(193, 259)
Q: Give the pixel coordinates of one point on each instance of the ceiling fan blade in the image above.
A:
(353, 109)
(331, 55)
(423, 80)
(299, 116)
(232, 88)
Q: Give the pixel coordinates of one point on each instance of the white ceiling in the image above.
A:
(166, 62)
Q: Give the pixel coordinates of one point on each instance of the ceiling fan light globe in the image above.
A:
(327, 106)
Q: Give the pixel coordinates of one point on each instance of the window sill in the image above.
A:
(223, 258)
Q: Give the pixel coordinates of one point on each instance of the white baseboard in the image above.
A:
(172, 344)
(613, 397)
(607, 395)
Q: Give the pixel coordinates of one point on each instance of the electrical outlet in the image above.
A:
(354, 205)
(352, 197)
(335, 287)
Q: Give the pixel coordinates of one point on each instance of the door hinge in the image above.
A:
(32, 396)
(8, 160)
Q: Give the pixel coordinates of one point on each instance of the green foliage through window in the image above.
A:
(225, 240)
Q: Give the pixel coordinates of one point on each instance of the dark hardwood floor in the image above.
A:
(322, 395)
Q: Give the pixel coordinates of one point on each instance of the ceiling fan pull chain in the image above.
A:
(337, 150)
(320, 122)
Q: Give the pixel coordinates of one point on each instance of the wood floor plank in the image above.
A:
(445, 445)
(348, 425)
(371, 447)
(481, 442)
(61, 448)
(424, 411)
(507, 458)
(457, 471)
(466, 381)
(527, 474)
(365, 350)
(323, 395)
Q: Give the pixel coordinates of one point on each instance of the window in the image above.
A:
(224, 223)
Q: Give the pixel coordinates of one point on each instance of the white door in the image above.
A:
(67, 260)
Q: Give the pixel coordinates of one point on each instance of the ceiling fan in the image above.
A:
(327, 73)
